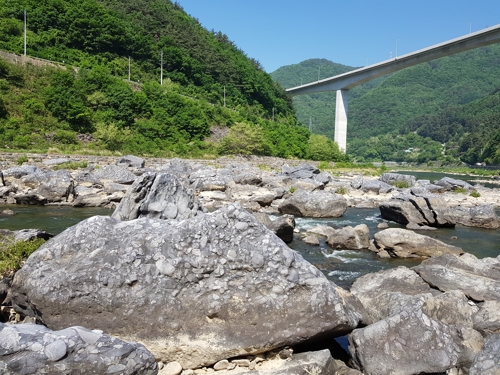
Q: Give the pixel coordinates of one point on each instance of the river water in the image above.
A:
(340, 266)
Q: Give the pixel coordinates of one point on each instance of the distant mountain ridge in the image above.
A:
(395, 103)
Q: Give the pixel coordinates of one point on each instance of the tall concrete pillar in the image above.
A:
(341, 118)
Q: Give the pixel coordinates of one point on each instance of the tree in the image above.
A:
(244, 139)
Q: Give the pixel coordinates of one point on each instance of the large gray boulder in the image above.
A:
(425, 209)
(487, 319)
(349, 238)
(116, 174)
(487, 362)
(389, 292)
(302, 171)
(18, 172)
(394, 178)
(157, 195)
(131, 161)
(451, 184)
(404, 243)
(210, 178)
(195, 291)
(483, 216)
(412, 343)
(42, 188)
(314, 204)
(27, 349)
(479, 279)
(282, 226)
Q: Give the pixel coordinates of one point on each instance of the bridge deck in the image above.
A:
(356, 77)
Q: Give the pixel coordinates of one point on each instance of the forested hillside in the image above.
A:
(207, 83)
(396, 113)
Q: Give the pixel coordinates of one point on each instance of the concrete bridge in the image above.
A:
(343, 82)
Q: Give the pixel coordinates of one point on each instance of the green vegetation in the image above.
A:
(13, 253)
(475, 194)
(93, 107)
(22, 159)
(341, 190)
(402, 184)
(72, 165)
(446, 110)
(460, 190)
(292, 189)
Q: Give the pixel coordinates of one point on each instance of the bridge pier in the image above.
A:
(342, 102)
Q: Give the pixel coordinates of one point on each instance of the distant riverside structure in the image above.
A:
(343, 82)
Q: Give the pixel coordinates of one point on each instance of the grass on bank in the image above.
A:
(13, 253)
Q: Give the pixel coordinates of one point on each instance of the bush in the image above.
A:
(475, 194)
(460, 190)
(13, 253)
(401, 184)
(22, 159)
(244, 139)
(341, 190)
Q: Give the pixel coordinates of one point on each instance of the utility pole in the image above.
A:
(319, 70)
(161, 69)
(273, 113)
(310, 125)
(129, 68)
(24, 31)
(224, 95)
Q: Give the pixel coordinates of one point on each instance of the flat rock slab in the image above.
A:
(34, 349)
(403, 243)
(194, 291)
(479, 279)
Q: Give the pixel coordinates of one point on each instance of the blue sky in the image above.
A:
(349, 32)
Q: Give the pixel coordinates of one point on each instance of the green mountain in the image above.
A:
(383, 112)
(112, 51)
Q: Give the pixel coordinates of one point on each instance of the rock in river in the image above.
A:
(194, 291)
(314, 204)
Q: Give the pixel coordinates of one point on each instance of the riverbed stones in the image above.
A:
(34, 349)
(314, 204)
(403, 243)
(451, 184)
(131, 161)
(487, 319)
(479, 279)
(211, 287)
(157, 195)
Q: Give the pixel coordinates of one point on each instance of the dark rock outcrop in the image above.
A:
(425, 209)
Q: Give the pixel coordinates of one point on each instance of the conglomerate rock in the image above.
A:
(314, 204)
(30, 349)
(194, 291)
